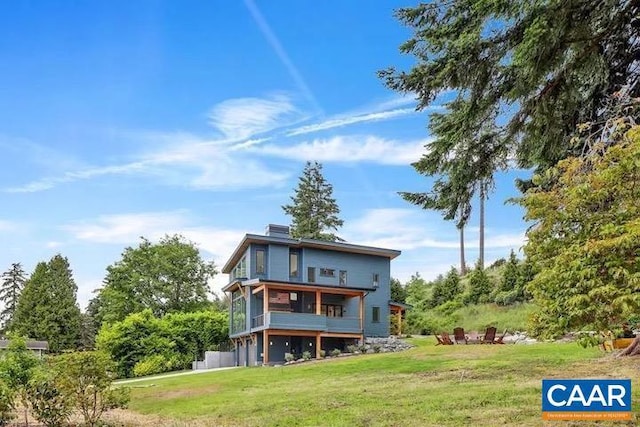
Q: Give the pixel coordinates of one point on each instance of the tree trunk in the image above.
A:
(463, 264)
(633, 349)
(482, 197)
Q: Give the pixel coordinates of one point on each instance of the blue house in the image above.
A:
(295, 295)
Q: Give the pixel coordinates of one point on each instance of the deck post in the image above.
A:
(318, 344)
(318, 302)
(362, 312)
(399, 315)
(265, 347)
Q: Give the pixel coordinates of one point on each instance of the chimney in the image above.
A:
(274, 230)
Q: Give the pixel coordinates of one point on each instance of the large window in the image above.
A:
(311, 274)
(238, 314)
(293, 264)
(260, 261)
(375, 314)
(240, 270)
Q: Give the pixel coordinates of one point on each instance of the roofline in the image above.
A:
(400, 304)
(257, 282)
(305, 243)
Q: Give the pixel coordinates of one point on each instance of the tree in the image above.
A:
(165, 277)
(17, 367)
(447, 289)
(314, 211)
(524, 75)
(586, 237)
(398, 292)
(47, 308)
(13, 281)
(480, 286)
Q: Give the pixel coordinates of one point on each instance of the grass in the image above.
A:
(425, 386)
(479, 317)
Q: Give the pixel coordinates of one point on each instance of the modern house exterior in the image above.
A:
(295, 295)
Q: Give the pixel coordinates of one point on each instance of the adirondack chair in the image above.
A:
(499, 340)
(489, 335)
(445, 338)
(439, 340)
(459, 336)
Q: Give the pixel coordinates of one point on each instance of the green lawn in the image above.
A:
(459, 385)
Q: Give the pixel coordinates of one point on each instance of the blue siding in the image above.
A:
(278, 265)
(359, 268)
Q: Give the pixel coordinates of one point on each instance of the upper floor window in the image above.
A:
(375, 314)
(328, 272)
(343, 278)
(376, 280)
(240, 270)
(260, 261)
(311, 274)
(293, 264)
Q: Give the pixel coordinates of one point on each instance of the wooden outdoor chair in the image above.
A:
(499, 340)
(459, 336)
(489, 335)
(439, 340)
(446, 340)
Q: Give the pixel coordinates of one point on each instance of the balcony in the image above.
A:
(306, 322)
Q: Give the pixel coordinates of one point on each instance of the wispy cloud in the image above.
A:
(408, 229)
(8, 225)
(241, 118)
(350, 120)
(346, 149)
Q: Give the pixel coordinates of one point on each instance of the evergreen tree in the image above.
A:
(398, 292)
(48, 309)
(524, 74)
(511, 274)
(480, 286)
(447, 289)
(314, 211)
(12, 284)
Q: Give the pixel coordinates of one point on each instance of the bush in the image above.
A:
(352, 348)
(450, 307)
(323, 353)
(87, 377)
(289, 357)
(336, 352)
(363, 349)
(306, 355)
(49, 404)
(7, 404)
(377, 348)
(151, 365)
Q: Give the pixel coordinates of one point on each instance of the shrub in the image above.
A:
(289, 357)
(150, 365)
(306, 355)
(352, 348)
(362, 349)
(7, 404)
(377, 348)
(87, 377)
(323, 353)
(49, 404)
(336, 352)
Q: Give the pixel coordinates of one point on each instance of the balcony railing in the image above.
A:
(306, 322)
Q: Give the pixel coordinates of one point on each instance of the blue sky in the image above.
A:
(124, 119)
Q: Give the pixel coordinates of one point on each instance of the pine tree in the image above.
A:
(447, 289)
(511, 274)
(13, 281)
(48, 309)
(314, 212)
(480, 286)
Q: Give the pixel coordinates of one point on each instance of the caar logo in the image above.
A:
(586, 399)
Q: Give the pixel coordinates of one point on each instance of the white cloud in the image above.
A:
(352, 148)
(350, 120)
(242, 118)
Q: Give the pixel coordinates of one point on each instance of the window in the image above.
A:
(343, 278)
(260, 261)
(327, 272)
(240, 270)
(311, 274)
(375, 314)
(330, 310)
(376, 280)
(293, 264)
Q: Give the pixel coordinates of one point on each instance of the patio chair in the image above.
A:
(439, 340)
(499, 340)
(446, 340)
(489, 335)
(459, 336)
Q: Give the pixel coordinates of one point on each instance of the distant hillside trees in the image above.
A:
(47, 308)
(314, 212)
(13, 281)
(164, 277)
